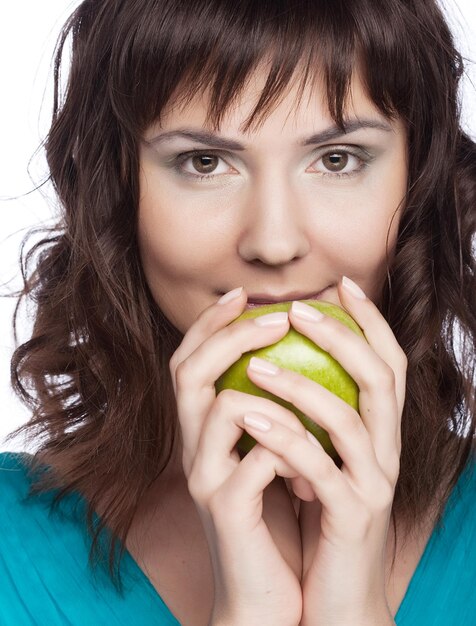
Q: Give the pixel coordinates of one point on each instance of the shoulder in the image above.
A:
(464, 492)
(442, 588)
(28, 506)
(43, 553)
(460, 511)
(451, 550)
(14, 480)
(16, 461)
(21, 512)
(25, 512)
(44, 568)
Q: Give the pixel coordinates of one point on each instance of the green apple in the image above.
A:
(298, 353)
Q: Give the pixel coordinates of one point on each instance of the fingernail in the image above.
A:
(352, 288)
(263, 367)
(312, 439)
(306, 312)
(255, 420)
(272, 319)
(231, 295)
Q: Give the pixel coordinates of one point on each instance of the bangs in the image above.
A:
(173, 53)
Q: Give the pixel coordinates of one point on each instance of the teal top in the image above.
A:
(45, 578)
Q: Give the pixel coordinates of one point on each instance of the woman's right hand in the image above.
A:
(254, 583)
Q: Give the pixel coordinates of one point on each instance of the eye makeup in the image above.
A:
(362, 156)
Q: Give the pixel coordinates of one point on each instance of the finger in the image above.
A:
(308, 460)
(376, 380)
(380, 336)
(344, 425)
(302, 489)
(377, 332)
(214, 317)
(246, 484)
(196, 375)
(223, 428)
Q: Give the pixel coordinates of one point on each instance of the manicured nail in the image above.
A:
(263, 367)
(255, 420)
(306, 312)
(312, 439)
(272, 319)
(231, 295)
(352, 288)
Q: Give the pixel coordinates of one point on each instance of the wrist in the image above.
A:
(256, 621)
(375, 617)
(374, 621)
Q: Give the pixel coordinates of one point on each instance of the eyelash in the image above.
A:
(180, 159)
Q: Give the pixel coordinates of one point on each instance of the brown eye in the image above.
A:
(335, 161)
(201, 166)
(204, 163)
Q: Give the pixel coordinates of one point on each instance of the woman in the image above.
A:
(201, 157)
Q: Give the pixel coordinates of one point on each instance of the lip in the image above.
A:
(256, 300)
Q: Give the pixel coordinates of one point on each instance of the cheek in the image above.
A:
(171, 263)
(162, 238)
(358, 233)
(178, 243)
(368, 240)
(169, 248)
(370, 217)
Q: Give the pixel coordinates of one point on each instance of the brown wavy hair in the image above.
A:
(95, 370)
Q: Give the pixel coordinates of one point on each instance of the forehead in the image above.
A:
(301, 104)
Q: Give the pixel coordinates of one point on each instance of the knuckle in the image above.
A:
(352, 424)
(291, 387)
(193, 486)
(172, 365)
(336, 333)
(385, 379)
(339, 331)
(258, 455)
(403, 359)
(227, 332)
(225, 398)
(383, 497)
(292, 446)
(326, 468)
(196, 484)
(183, 372)
(393, 465)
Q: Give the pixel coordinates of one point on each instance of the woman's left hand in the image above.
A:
(345, 520)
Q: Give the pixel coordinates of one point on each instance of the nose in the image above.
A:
(274, 230)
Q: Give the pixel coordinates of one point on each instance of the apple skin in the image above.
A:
(297, 353)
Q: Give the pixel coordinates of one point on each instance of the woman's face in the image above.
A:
(274, 211)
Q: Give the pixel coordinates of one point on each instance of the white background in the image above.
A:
(28, 32)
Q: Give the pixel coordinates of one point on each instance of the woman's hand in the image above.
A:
(344, 531)
(255, 581)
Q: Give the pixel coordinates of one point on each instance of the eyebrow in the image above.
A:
(216, 141)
